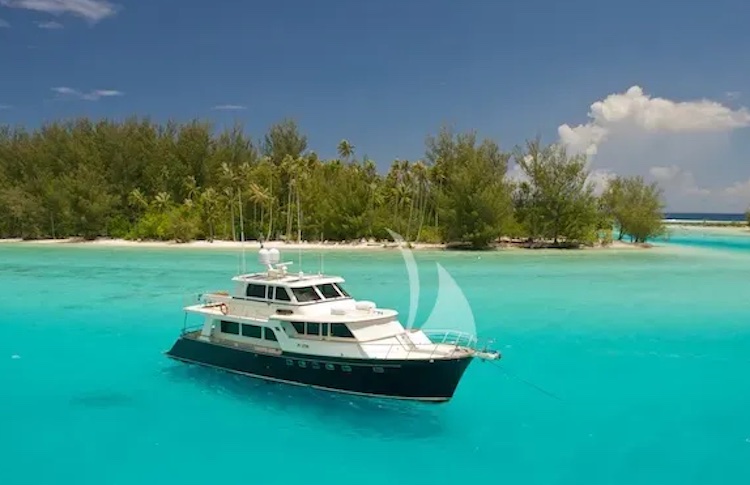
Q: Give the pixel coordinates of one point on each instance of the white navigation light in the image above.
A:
(275, 256)
(264, 257)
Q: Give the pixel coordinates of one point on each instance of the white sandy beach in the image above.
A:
(311, 246)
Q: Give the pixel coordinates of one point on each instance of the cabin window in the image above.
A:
(270, 334)
(269, 293)
(230, 327)
(253, 331)
(329, 291)
(282, 294)
(313, 328)
(324, 329)
(256, 291)
(305, 294)
(299, 327)
(341, 290)
(340, 330)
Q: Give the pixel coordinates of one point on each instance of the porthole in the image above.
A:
(378, 370)
(346, 368)
(315, 365)
(302, 363)
(289, 362)
(330, 367)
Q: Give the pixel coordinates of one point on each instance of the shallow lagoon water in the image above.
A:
(647, 355)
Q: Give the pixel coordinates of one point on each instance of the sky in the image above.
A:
(655, 88)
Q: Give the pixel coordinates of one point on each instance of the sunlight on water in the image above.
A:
(647, 352)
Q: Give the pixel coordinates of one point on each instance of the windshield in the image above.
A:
(305, 294)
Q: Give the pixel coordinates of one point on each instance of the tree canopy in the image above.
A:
(180, 181)
(635, 207)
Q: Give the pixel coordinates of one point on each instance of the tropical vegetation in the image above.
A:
(139, 179)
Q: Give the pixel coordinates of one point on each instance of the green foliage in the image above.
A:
(474, 196)
(142, 180)
(556, 201)
(635, 206)
(747, 216)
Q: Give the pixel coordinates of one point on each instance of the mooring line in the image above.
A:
(524, 381)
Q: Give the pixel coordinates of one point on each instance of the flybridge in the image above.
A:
(278, 273)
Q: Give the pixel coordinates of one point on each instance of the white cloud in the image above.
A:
(92, 10)
(90, 96)
(739, 189)
(636, 110)
(675, 177)
(600, 179)
(733, 94)
(5, 106)
(51, 25)
(687, 146)
(229, 107)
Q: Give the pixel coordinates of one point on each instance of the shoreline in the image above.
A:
(721, 229)
(281, 245)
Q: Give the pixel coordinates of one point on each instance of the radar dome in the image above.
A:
(275, 256)
(264, 257)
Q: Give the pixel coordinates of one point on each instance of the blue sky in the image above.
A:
(386, 74)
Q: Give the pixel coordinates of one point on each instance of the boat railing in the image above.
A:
(445, 343)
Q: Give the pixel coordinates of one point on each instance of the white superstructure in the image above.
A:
(277, 311)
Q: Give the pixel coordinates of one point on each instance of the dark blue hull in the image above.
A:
(422, 380)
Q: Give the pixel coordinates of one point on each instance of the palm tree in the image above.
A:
(210, 204)
(345, 149)
(162, 201)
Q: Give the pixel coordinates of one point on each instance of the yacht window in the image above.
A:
(329, 291)
(230, 327)
(313, 328)
(270, 334)
(305, 294)
(299, 327)
(251, 331)
(340, 330)
(270, 293)
(342, 290)
(324, 329)
(256, 291)
(282, 294)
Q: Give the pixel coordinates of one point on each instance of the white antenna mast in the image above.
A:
(242, 233)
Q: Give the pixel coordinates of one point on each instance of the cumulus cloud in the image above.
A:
(675, 177)
(229, 107)
(95, 95)
(51, 25)
(655, 115)
(92, 10)
(687, 146)
(739, 189)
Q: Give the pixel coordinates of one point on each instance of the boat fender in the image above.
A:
(224, 308)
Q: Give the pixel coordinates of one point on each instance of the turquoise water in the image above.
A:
(647, 353)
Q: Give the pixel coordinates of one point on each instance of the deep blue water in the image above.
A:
(648, 352)
(705, 216)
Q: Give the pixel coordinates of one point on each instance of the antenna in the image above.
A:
(242, 233)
